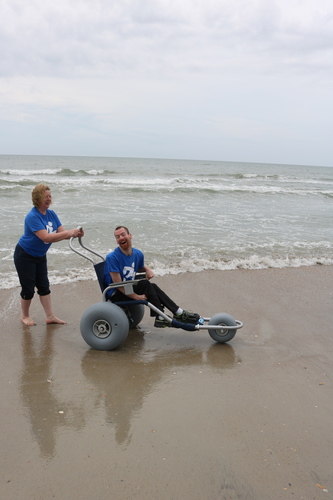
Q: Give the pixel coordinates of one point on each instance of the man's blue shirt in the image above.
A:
(126, 265)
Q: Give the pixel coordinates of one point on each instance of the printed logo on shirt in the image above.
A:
(128, 272)
(49, 227)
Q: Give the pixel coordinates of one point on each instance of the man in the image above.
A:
(123, 263)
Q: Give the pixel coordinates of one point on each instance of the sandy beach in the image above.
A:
(173, 415)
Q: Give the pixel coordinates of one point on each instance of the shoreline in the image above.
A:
(172, 414)
(91, 276)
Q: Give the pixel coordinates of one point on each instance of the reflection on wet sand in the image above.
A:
(41, 403)
(126, 378)
(121, 379)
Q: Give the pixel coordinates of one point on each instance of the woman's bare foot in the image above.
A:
(55, 321)
(28, 321)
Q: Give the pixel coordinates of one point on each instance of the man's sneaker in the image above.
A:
(187, 317)
(161, 323)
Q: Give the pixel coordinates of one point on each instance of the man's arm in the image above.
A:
(149, 272)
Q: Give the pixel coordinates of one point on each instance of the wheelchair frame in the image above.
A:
(103, 327)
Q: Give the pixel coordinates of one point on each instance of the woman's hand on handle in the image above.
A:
(77, 232)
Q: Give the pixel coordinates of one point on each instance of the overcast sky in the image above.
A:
(233, 80)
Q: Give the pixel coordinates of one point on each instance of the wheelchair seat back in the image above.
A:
(99, 269)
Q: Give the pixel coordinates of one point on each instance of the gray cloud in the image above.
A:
(75, 38)
(243, 80)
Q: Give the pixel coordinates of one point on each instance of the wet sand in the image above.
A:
(172, 415)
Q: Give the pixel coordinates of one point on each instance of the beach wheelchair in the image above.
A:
(105, 325)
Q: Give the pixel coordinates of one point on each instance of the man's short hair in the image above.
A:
(126, 229)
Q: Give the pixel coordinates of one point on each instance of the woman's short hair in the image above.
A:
(37, 194)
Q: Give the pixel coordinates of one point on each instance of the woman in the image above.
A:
(42, 227)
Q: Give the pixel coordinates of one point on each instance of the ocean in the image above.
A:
(186, 216)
